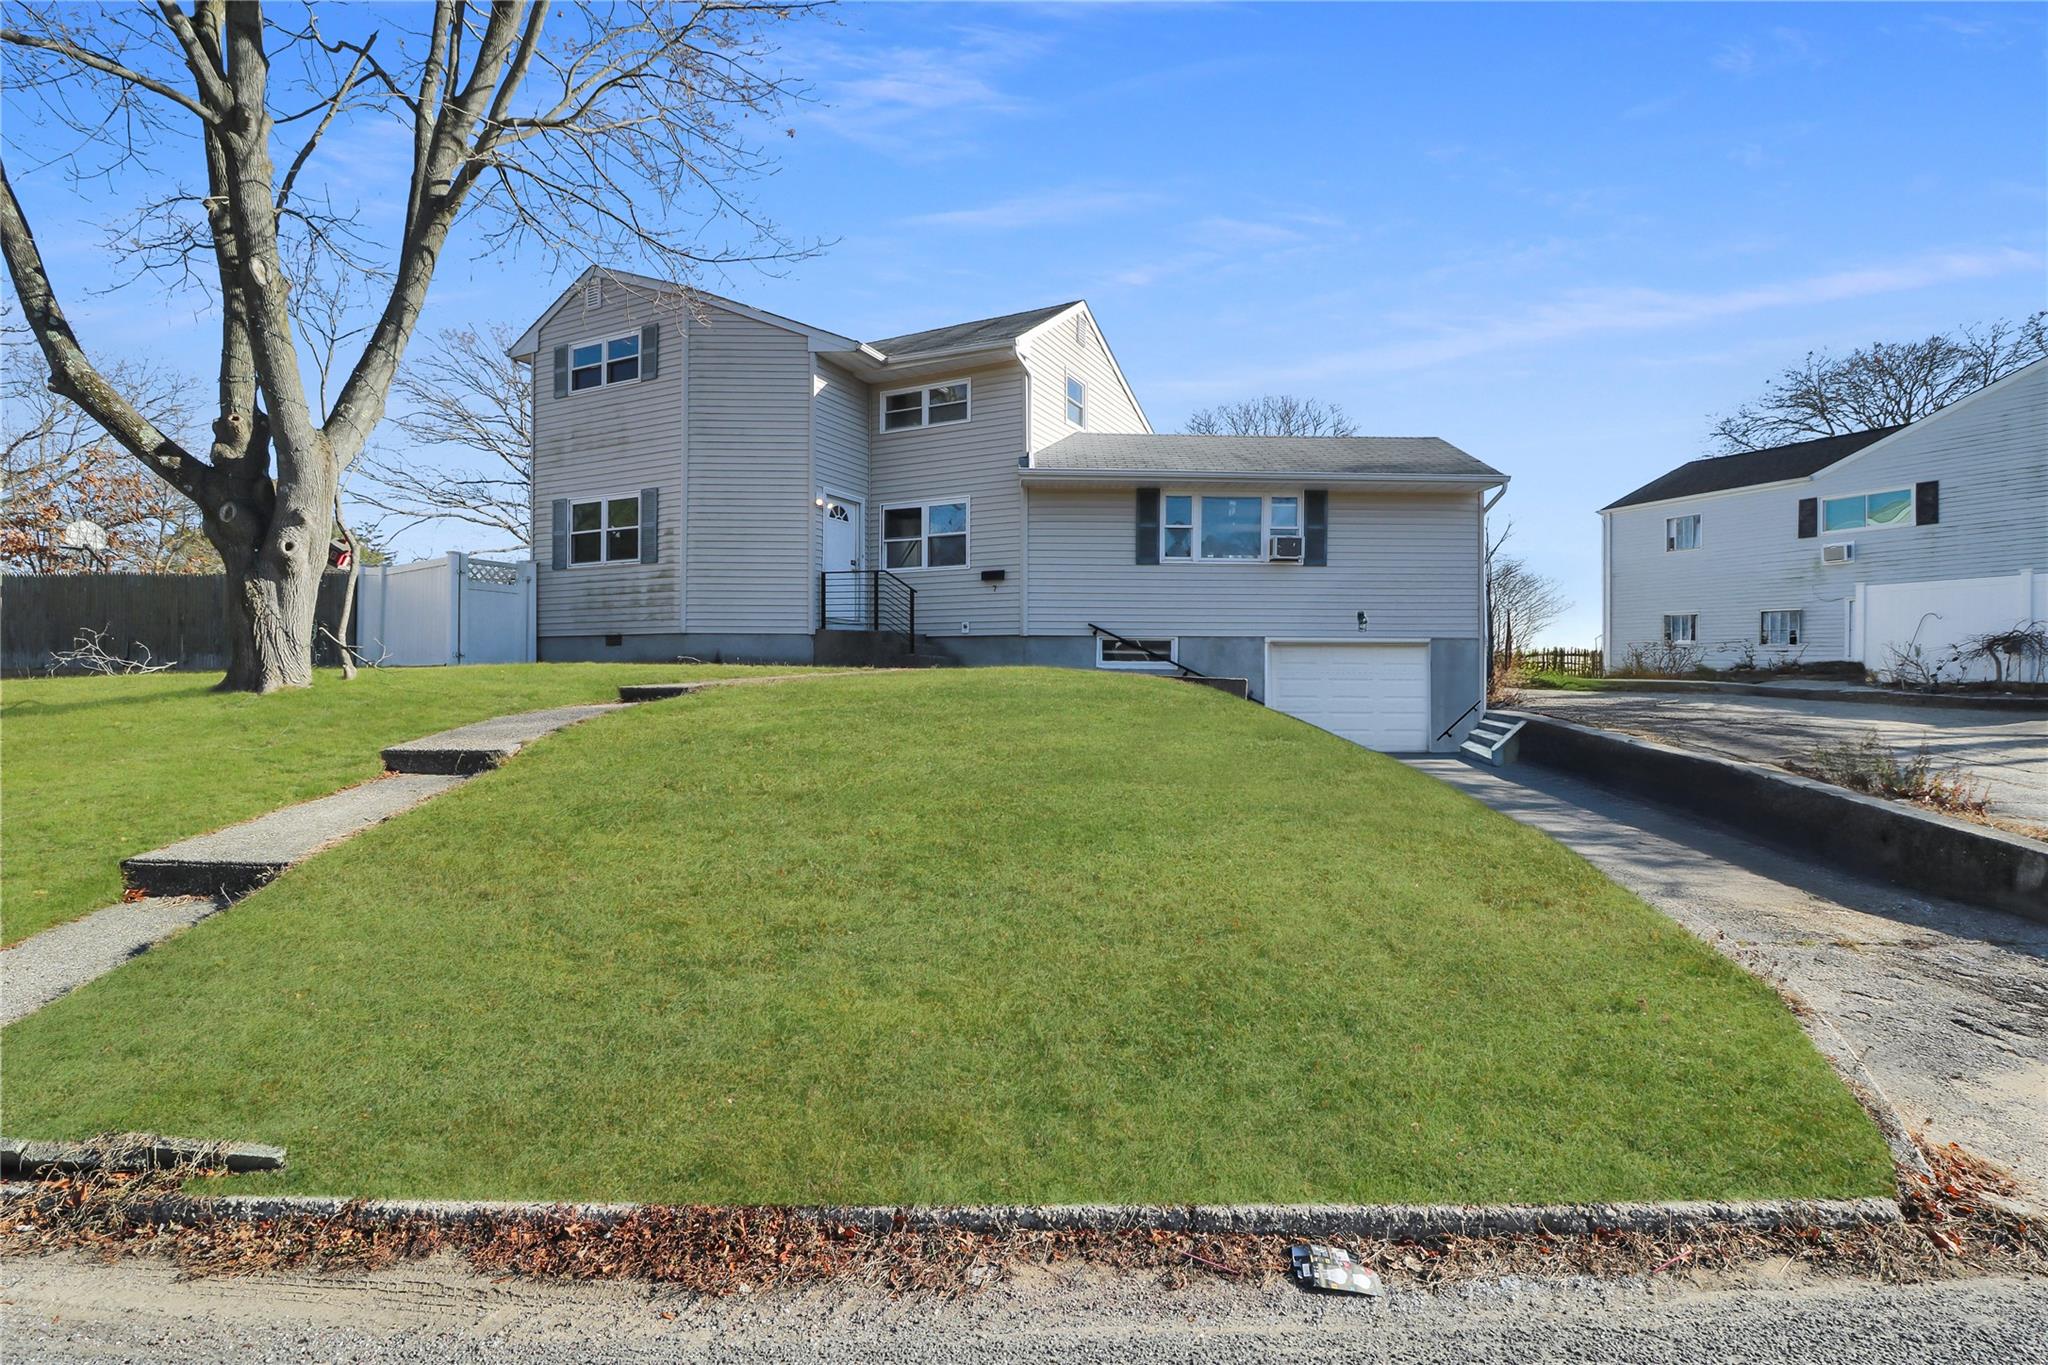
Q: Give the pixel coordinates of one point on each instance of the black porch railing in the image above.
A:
(868, 599)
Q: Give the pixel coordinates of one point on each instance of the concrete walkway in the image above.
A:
(194, 878)
(1945, 1005)
(2007, 750)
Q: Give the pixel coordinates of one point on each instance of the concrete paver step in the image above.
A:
(236, 860)
(476, 748)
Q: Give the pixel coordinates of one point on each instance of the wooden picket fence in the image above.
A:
(1585, 663)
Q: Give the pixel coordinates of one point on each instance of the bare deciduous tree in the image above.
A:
(1886, 384)
(466, 398)
(1521, 603)
(58, 469)
(1272, 415)
(600, 132)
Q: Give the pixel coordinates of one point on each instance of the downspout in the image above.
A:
(1486, 599)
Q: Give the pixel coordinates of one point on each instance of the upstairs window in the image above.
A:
(1893, 508)
(1177, 529)
(931, 535)
(1682, 533)
(604, 362)
(1232, 528)
(1781, 628)
(930, 406)
(1682, 630)
(1077, 402)
(605, 531)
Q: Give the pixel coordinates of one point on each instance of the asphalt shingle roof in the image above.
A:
(1719, 473)
(961, 335)
(1394, 456)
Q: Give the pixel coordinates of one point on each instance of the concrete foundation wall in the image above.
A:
(671, 647)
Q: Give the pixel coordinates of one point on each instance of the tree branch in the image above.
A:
(107, 66)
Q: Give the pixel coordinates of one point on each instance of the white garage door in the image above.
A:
(1375, 695)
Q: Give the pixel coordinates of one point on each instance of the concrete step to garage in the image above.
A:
(235, 861)
(1492, 740)
(477, 748)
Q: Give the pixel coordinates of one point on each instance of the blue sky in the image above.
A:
(1559, 237)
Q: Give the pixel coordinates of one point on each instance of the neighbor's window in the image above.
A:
(1077, 402)
(1682, 630)
(1894, 508)
(930, 535)
(604, 362)
(1682, 533)
(1781, 628)
(931, 406)
(605, 531)
(1118, 654)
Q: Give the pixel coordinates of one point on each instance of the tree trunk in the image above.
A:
(273, 589)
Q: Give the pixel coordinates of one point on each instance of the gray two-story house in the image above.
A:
(714, 481)
(1867, 547)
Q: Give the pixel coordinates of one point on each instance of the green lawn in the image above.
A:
(97, 769)
(1573, 682)
(955, 936)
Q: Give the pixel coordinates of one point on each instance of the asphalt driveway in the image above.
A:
(2007, 751)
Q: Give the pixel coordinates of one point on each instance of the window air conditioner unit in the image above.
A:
(1838, 554)
(1285, 549)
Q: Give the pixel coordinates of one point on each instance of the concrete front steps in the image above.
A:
(873, 649)
(1492, 741)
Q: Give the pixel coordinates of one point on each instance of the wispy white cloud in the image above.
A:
(918, 102)
(1067, 204)
(1596, 311)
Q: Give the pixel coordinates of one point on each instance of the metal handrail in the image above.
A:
(1461, 715)
(889, 606)
(1129, 643)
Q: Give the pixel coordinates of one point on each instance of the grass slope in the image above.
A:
(98, 769)
(976, 936)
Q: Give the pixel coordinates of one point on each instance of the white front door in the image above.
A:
(842, 535)
(1372, 694)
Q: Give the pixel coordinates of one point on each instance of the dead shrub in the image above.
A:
(1872, 766)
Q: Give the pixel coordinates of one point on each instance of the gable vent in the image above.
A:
(593, 295)
(1081, 330)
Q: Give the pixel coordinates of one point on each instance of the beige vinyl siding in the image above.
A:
(1991, 459)
(609, 442)
(840, 422)
(1409, 561)
(1051, 354)
(748, 502)
(976, 460)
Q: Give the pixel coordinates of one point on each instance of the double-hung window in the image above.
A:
(1891, 508)
(1682, 533)
(597, 363)
(1682, 630)
(931, 535)
(930, 406)
(1224, 527)
(1077, 402)
(604, 531)
(1781, 628)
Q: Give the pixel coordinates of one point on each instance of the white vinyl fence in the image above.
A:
(454, 610)
(1935, 615)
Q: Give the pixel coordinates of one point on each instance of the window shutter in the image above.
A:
(650, 525)
(561, 529)
(1809, 518)
(1315, 526)
(650, 351)
(1148, 526)
(561, 371)
(1927, 503)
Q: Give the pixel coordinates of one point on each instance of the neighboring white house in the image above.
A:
(711, 480)
(1850, 547)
